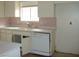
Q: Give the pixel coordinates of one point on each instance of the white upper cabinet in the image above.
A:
(46, 9)
(1, 9)
(11, 9)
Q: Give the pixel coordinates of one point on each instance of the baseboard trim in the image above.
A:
(67, 53)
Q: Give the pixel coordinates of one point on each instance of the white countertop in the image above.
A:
(28, 29)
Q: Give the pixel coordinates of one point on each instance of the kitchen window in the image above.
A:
(29, 13)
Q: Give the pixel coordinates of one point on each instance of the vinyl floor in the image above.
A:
(56, 54)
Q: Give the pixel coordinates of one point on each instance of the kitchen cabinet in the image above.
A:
(6, 35)
(1, 9)
(11, 9)
(36, 41)
(46, 9)
(41, 44)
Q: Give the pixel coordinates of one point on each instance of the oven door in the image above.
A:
(16, 38)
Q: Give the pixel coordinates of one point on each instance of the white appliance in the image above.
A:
(41, 44)
(16, 38)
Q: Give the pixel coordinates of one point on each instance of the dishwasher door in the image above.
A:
(40, 44)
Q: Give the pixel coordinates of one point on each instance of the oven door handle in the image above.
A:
(26, 36)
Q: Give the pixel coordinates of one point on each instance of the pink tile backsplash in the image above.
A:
(47, 22)
(15, 21)
(3, 21)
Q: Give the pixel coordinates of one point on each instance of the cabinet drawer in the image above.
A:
(42, 35)
(21, 32)
(6, 31)
(3, 30)
(16, 32)
(26, 33)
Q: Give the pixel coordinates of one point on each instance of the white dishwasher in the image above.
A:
(41, 43)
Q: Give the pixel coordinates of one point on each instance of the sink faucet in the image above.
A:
(28, 24)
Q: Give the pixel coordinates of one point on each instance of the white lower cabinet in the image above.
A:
(6, 35)
(41, 44)
(32, 42)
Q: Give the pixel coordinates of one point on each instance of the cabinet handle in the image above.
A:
(20, 51)
(26, 36)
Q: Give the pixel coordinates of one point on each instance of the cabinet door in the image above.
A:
(40, 42)
(1, 9)
(26, 43)
(6, 35)
(9, 37)
(3, 36)
(45, 9)
(9, 9)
